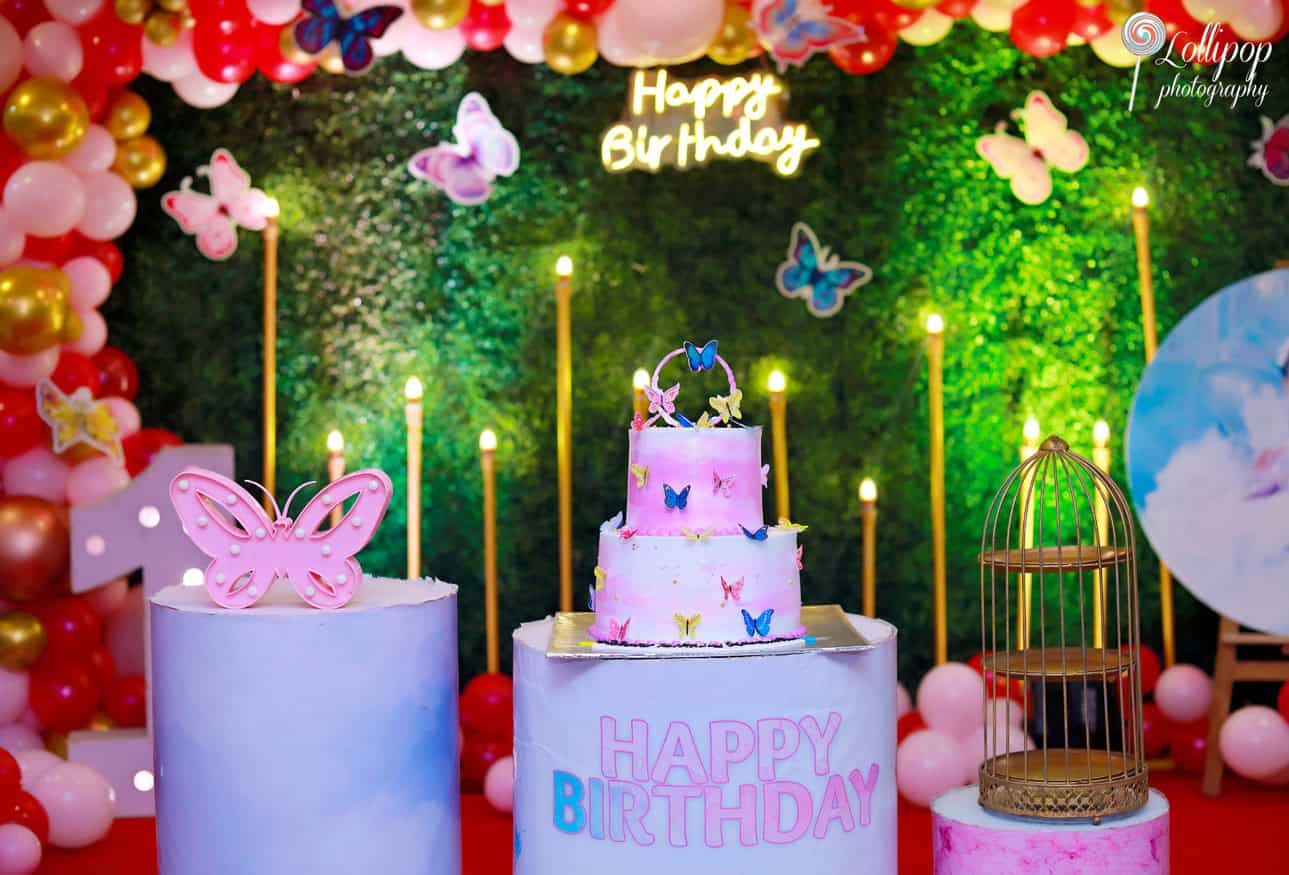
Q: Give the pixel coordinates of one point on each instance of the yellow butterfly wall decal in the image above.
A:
(78, 419)
(697, 536)
(687, 627)
(600, 577)
(641, 473)
(727, 407)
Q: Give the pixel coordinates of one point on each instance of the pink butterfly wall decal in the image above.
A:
(1271, 151)
(214, 218)
(483, 150)
(1048, 143)
(249, 551)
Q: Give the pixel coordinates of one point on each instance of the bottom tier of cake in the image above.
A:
(747, 763)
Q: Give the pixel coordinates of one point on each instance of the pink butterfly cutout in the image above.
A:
(637, 422)
(626, 534)
(1028, 163)
(794, 30)
(765, 476)
(733, 591)
(663, 401)
(722, 484)
(214, 217)
(799, 552)
(616, 632)
(248, 551)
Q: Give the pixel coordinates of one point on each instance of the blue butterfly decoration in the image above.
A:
(759, 535)
(758, 625)
(675, 499)
(590, 598)
(703, 359)
(814, 273)
(325, 25)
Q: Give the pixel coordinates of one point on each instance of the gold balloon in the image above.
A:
(163, 28)
(73, 327)
(440, 14)
(331, 61)
(100, 722)
(46, 117)
(55, 743)
(128, 116)
(173, 5)
(22, 640)
(569, 44)
(1119, 10)
(736, 40)
(133, 11)
(917, 4)
(290, 50)
(140, 162)
(33, 309)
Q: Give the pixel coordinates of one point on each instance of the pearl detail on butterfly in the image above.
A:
(230, 499)
(357, 522)
(202, 521)
(235, 550)
(327, 499)
(342, 578)
(326, 549)
(259, 532)
(183, 485)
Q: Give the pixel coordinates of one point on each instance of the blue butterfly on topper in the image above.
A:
(758, 625)
(324, 25)
(701, 358)
(816, 274)
(674, 499)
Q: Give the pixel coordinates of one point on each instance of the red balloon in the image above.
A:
(485, 27)
(27, 811)
(910, 723)
(63, 696)
(1282, 700)
(23, 14)
(1155, 729)
(1189, 745)
(74, 371)
(217, 11)
(956, 8)
(1149, 668)
(10, 780)
(977, 663)
(113, 49)
(104, 250)
(891, 16)
(55, 250)
(117, 374)
(21, 427)
(590, 8)
(225, 50)
(94, 93)
(477, 756)
(868, 55)
(1175, 18)
(103, 667)
(1090, 21)
(143, 445)
(72, 631)
(270, 60)
(486, 706)
(126, 702)
(1042, 27)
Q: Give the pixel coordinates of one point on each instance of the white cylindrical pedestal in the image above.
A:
(743, 763)
(295, 740)
(971, 840)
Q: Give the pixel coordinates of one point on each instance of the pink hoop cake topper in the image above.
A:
(248, 551)
(662, 402)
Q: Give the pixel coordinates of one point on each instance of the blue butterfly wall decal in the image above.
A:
(324, 25)
(674, 499)
(758, 625)
(816, 274)
(701, 358)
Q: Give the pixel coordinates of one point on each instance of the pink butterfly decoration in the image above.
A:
(733, 591)
(626, 534)
(637, 422)
(1028, 163)
(765, 476)
(722, 485)
(1271, 151)
(616, 632)
(662, 401)
(800, 550)
(793, 30)
(248, 551)
(483, 150)
(213, 218)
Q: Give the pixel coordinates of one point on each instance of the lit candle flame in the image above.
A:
(413, 390)
(935, 324)
(336, 442)
(777, 382)
(1101, 433)
(1030, 431)
(868, 490)
(1140, 198)
(487, 440)
(640, 379)
(271, 208)
(564, 267)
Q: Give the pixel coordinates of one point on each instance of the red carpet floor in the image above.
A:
(1245, 832)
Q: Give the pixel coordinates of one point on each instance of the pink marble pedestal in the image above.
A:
(970, 840)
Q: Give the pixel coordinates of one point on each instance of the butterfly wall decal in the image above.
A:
(1271, 151)
(323, 25)
(214, 218)
(733, 592)
(641, 473)
(691, 535)
(483, 150)
(618, 632)
(673, 499)
(759, 625)
(759, 535)
(78, 419)
(700, 358)
(686, 627)
(794, 30)
(727, 406)
(813, 272)
(249, 551)
(1028, 163)
(722, 485)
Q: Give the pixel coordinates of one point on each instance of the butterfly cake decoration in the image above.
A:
(1048, 142)
(662, 402)
(249, 551)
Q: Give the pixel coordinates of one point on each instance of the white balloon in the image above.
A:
(929, 29)
(274, 11)
(614, 43)
(1258, 20)
(53, 49)
(433, 49)
(170, 63)
(532, 14)
(93, 153)
(73, 12)
(1204, 11)
(672, 31)
(12, 239)
(1109, 47)
(992, 18)
(196, 90)
(525, 45)
(109, 206)
(10, 54)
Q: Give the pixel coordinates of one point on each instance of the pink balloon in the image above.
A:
(525, 45)
(35, 763)
(1255, 742)
(927, 764)
(274, 11)
(499, 784)
(37, 472)
(94, 153)
(670, 31)
(19, 850)
(30, 720)
(10, 54)
(1014, 714)
(614, 42)
(12, 239)
(950, 698)
(1257, 20)
(53, 48)
(170, 63)
(109, 206)
(80, 804)
(532, 14)
(45, 198)
(123, 635)
(1183, 693)
(94, 480)
(93, 333)
(196, 90)
(107, 599)
(91, 282)
(431, 49)
(27, 370)
(73, 11)
(980, 745)
(13, 694)
(125, 414)
(17, 737)
(903, 701)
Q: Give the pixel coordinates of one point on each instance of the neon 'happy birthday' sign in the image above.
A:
(683, 123)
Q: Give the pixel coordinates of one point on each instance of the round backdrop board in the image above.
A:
(1208, 451)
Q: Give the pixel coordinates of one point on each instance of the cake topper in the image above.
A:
(662, 402)
(249, 551)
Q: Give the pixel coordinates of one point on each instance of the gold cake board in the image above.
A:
(827, 630)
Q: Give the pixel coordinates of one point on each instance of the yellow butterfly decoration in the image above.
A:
(697, 536)
(704, 421)
(78, 419)
(727, 407)
(687, 627)
(785, 523)
(600, 577)
(641, 473)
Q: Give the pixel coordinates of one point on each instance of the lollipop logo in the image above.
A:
(1144, 34)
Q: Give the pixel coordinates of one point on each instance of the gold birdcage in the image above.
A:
(1060, 627)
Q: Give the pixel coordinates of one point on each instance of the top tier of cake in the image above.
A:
(721, 468)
